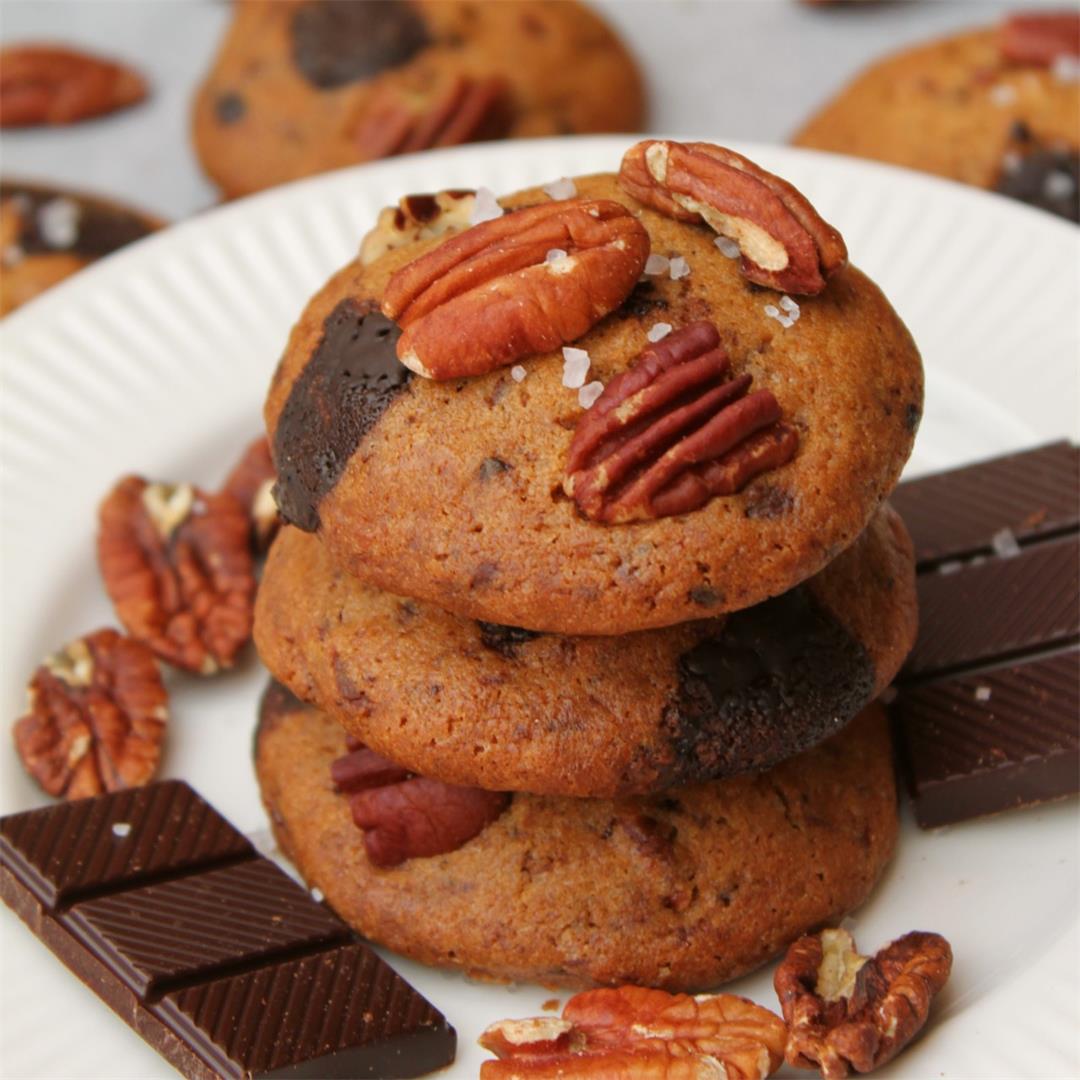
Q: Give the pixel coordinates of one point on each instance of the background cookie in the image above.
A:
(682, 891)
(301, 87)
(505, 709)
(454, 491)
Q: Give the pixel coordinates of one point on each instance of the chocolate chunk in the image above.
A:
(1046, 177)
(504, 639)
(777, 678)
(334, 43)
(229, 107)
(350, 380)
(168, 913)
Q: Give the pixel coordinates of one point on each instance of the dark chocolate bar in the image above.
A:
(988, 703)
(156, 902)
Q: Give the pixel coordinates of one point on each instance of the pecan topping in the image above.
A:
(42, 84)
(784, 242)
(635, 1032)
(1040, 37)
(850, 1012)
(406, 816)
(177, 565)
(96, 718)
(251, 483)
(417, 217)
(488, 296)
(673, 432)
(468, 110)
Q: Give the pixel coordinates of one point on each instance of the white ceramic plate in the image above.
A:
(157, 360)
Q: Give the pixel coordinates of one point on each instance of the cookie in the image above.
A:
(47, 234)
(962, 108)
(302, 87)
(507, 709)
(454, 492)
(682, 891)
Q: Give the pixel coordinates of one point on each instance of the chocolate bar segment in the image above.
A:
(218, 959)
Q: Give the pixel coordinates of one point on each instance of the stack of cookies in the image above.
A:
(589, 585)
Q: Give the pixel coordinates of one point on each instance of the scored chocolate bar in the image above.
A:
(217, 958)
(988, 703)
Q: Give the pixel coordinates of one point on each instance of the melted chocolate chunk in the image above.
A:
(229, 107)
(775, 680)
(504, 639)
(334, 42)
(1046, 177)
(642, 301)
(348, 383)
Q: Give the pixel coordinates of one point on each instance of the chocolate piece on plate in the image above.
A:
(164, 909)
(988, 703)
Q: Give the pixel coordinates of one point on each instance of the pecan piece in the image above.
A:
(405, 816)
(417, 217)
(632, 1031)
(96, 719)
(42, 84)
(1040, 37)
(850, 1012)
(784, 242)
(673, 432)
(488, 296)
(177, 565)
(251, 483)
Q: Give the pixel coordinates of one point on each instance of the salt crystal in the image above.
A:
(982, 693)
(1003, 94)
(317, 895)
(888, 695)
(727, 247)
(950, 567)
(680, 268)
(486, 207)
(554, 255)
(1058, 185)
(1011, 162)
(785, 321)
(564, 188)
(1066, 68)
(772, 311)
(658, 331)
(121, 828)
(575, 367)
(656, 264)
(1004, 544)
(789, 305)
(58, 222)
(588, 394)
(518, 373)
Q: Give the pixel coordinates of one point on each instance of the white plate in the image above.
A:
(157, 360)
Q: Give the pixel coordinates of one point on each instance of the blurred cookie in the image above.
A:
(998, 108)
(506, 709)
(47, 234)
(681, 891)
(302, 86)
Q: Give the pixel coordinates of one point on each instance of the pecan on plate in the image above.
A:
(635, 1032)
(417, 217)
(673, 432)
(490, 296)
(406, 816)
(176, 562)
(398, 121)
(849, 1012)
(1040, 37)
(784, 242)
(96, 719)
(44, 84)
(251, 483)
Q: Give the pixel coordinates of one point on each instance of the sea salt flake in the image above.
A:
(588, 394)
(1003, 94)
(554, 255)
(680, 268)
(656, 264)
(950, 567)
(785, 321)
(575, 367)
(1012, 161)
(317, 895)
(727, 247)
(58, 222)
(518, 373)
(790, 306)
(1004, 544)
(1058, 185)
(1066, 68)
(658, 331)
(563, 188)
(486, 207)
(772, 311)
(982, 693)
(121, 828)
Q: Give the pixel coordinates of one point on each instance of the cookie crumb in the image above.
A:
(680, 268)
(587, 395)
(575, 367)
(656, 264)
(486, 207)
(658, 331)
(518, 373)
(563, 188)
(551, 1005)
(728, 247)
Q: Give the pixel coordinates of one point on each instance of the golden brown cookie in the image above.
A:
(507, 709)
(302, 86)
(47, 234)
(455, 492)
(682, 891)
(962, 108)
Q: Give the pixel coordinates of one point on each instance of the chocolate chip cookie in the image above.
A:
(681, 891)
(509, 709)
(302, 86)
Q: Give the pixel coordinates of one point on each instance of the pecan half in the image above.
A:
(406, 816)
(397, 122)
(417, 217)
(177, 565)
(251, 483)
(673, 432)
(850, 1012)
(784, 242)
(96, 719)
(42, 84)
(1040, 37)
(635, 1032)
(488, 296)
